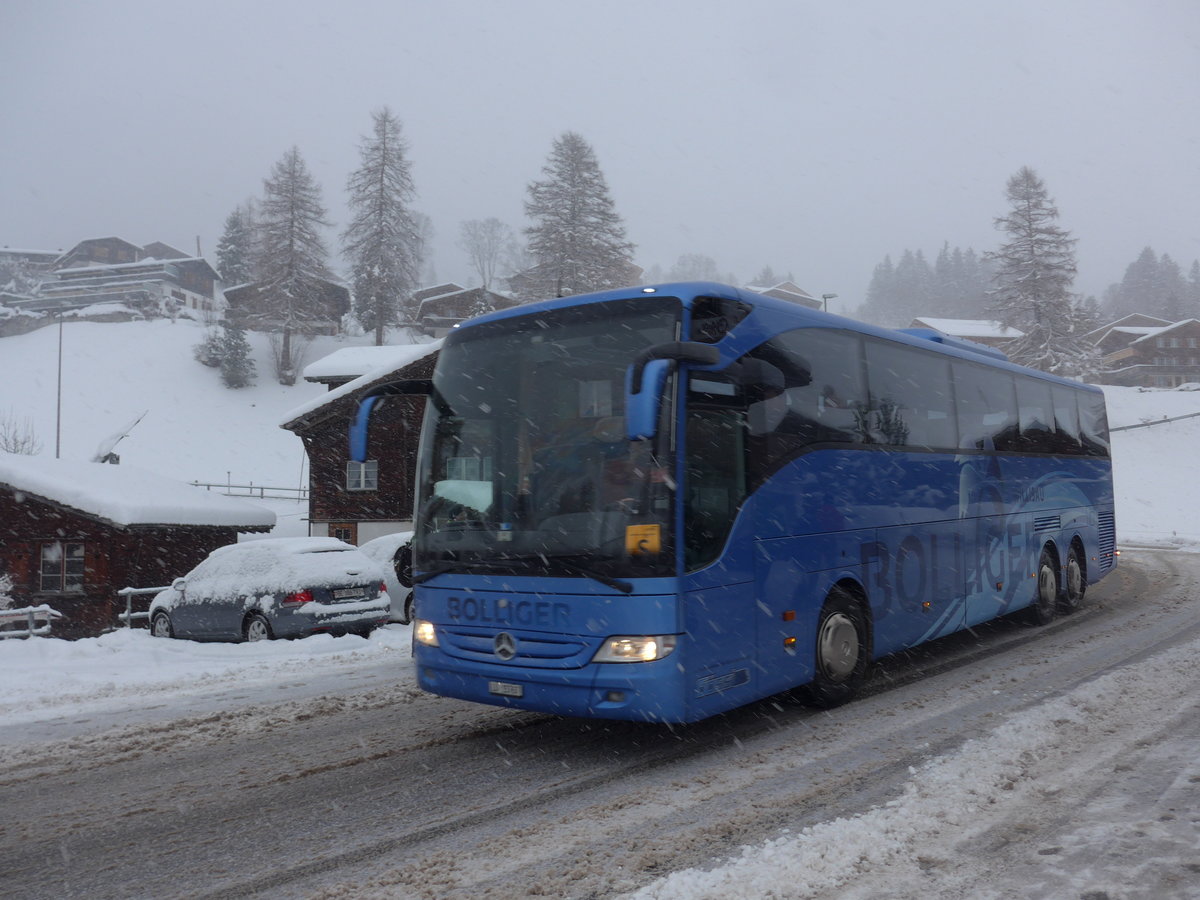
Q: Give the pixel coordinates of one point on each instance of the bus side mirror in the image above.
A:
(641, 407)
(647, 376)
(360, 427)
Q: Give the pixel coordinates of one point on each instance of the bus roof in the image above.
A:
(770, 316)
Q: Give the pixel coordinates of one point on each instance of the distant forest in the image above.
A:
(958, 282)
(955, 287)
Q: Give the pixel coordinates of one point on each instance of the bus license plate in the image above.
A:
(504, 689)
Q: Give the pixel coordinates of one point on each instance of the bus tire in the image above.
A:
(1076, 580)
(1045, 600)
(842, 651)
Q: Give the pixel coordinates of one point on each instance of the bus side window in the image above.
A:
(911, 400)
(987, 408)
(1035, 412)
(824, 396)
(1066, 421)
(1093, 424)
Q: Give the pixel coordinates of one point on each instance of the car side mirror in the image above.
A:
(179, 584)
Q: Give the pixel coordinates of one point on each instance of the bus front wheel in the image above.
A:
(842, 650)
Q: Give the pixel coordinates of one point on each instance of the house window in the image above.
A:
(344, 531)
(1174, 343)
(62, 567)
(1191, 343)
(362, 476)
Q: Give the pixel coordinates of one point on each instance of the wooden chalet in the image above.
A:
(251, 304)
(1150, 355)
(981, 331)
(438, 313)
(73, 533)
(358, 502)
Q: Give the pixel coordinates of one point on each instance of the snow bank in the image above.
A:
(946, 797)
(47, 677)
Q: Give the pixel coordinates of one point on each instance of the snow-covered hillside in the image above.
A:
(195, 428)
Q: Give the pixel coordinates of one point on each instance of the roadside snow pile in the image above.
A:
(952, 798)
(1155, 497)
(48, 677)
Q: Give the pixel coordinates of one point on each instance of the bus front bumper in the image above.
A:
(639, 692)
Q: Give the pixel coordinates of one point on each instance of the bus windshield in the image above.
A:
(525, 464)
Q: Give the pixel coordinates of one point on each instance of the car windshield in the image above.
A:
(525, 461)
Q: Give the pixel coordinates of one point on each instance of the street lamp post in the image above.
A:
(825, 298)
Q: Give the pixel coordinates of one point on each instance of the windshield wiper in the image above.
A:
(615, 583)
(463, 566)
(539, 560)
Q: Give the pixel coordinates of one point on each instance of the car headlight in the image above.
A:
(424, 633)
(635, 648)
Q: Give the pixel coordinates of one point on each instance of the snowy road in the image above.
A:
(1013, 762)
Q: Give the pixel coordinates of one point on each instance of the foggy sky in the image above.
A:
(814, 137)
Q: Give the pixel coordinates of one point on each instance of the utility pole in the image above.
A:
(58, 404)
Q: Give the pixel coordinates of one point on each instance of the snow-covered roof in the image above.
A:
(126, 496)
(1156, 332)
(148, 263)
(353, 362)
(418, 352)
(1149, 321)
(968, 328)
(1138, 329)
(17, 251)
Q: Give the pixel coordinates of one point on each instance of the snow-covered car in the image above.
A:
(393, 552)
(274, 588)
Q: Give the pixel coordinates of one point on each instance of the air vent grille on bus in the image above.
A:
(1106, 528)
(1047, 523)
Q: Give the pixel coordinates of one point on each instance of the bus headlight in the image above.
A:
(638, 648)
(425, 633)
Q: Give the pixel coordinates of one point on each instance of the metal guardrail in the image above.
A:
(261, 491)
(129, 593)
(1161, 421)
(30, 615)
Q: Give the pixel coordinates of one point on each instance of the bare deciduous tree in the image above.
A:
(18, 435)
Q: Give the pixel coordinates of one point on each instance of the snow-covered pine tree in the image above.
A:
(1035, 268)
(293, 256)
(7, 600)
(208, 352)
(1194, 290)
(382, 241)
(237, 367)
(879, 291)
(234, 250)
(695, 267)
(577, 239)
(487, 242)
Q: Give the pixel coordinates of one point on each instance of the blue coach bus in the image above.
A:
(659, 503)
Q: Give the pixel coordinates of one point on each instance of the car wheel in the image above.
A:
(160, 626)
(1045, 603)
(842, 652)
(258, 628)
(1076, 585)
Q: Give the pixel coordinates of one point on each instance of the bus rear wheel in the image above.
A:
(1045, 602)
(1076, 576)
(842, 651)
